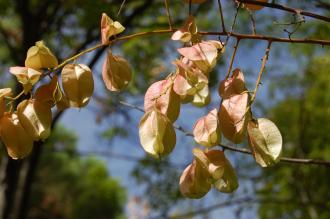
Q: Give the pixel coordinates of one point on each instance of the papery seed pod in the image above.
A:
(186, 32)
(265, 141)
(161, 96)
(254, 7)
(194, 181)
(217, 163)
(36, 118)
(47, 93)
(26, 76)
(157, 135)
(78, 84)
(204, 55)
(233, 85)
(116, 72)
(5, 92)
(109, 28)
(207, 130)
(189, 79)
(17, 141)
(39, 56)
(233, 117)
(202, 97)
(228, 182)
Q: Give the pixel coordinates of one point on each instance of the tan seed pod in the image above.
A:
(5, 92)
(17, 141)
(78, 84)
(116, 72)
(109, 28)
(26, 76)
(36, 118)
(40, 56)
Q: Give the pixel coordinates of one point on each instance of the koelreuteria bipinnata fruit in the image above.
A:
(40, 56)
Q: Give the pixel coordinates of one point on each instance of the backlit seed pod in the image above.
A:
(207, 130)
(233, 117)
(265, 141)
(187, 32)
(46, 93)
(233, 85)
(254, 7)
(116, 72)
(5, 92)
(204, 54)
(157, 135)
(78, 84)
(202, 97)
(194, 181)
(228, 182)
(39, 56)
(36, 118)
(26, 76)
(161, 96)
(109, 28)
(17, 141)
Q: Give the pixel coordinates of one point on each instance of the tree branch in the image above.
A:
(288, 9)
(325, 163)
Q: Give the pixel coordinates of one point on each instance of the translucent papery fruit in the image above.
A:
(202, 97)
(194, 1)
(233, 85)
(161, 96)
(36, 118)
(5, 92)
(228, 182)
(254, 7)
(26, 76)
(186, 32)
(157, 135)
(265, 141)
(78, 84)
(39, 56)
(194, 181)
(116, 72)
(109, 28)
(17, 141)
(47, 93)
(233, 117)
(189, 79)
(207, 130)
(204, 55)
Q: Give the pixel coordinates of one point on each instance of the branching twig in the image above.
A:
(233, 24)
(241, 150)
(288, 9)
(232, 58)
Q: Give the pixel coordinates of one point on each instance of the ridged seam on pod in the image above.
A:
(36, 118)
(157, 135)
(40, 56)
(17, 141)
(116, 72)
(78, 84)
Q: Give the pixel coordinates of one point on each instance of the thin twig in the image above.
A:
(121, 7)
(254, 29)
(232, 58)
(168, 14)
(262, 68)
(241, 150)
(221, 16)
(233, 24)
(288, 9)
